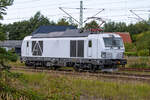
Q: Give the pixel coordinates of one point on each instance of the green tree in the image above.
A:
(109, 27)
(63, 22)
(143, 42)
(4, 55)
(131, 28)
(130, 47)
(138, 27)
(115, 27)
(92, 25)
(2, 33)
(3, 6)
(18, 30)
(37, 21)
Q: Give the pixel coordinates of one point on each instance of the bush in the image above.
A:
(144, 52)
(143, 42)
(129, 47)
(130, 53)
(139, 65)
(7, 55)
(10, 92)
(138, 62)
(12, 56)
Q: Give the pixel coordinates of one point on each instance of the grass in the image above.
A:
(12, 88)
(59, 87)
(136, 72)
(138, 62)
(16, 64)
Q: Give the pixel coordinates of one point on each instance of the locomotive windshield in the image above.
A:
(113, 42)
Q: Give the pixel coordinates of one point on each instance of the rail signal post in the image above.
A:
(80, 22)
(81, 14)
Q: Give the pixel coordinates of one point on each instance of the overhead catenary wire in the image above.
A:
(32, 16)
(56, 6)
(51, 6)
(36, 1)
(75, 13)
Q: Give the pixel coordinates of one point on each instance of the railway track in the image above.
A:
(135, 69)
(114, 75)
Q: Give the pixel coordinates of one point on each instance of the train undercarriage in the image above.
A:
(77, 64)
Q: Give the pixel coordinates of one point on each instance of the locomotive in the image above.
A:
(71, 48)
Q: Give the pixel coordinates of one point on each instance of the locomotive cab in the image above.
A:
(108, 48)
(113, 47)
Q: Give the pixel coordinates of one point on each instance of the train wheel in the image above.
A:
(55, 67)
(35, 65)
(27, 63)
(93, 68)
(76, 68)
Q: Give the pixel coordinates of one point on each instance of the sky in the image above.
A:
(114, 10)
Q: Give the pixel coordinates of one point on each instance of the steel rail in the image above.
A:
(114, 75)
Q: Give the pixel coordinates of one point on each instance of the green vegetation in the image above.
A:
(12, 87)
(3, 6)
(18, 30)
(92, 25)
(130, 53)
(131, 28)
(16, 64)
(6, 56)
(141, 46)
(138, 62)
(8, 90)
(143, 41)
(59, 87)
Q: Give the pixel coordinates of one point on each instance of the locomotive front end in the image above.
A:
(113, 51)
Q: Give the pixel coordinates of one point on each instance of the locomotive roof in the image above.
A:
(67, 33)
(52, 28)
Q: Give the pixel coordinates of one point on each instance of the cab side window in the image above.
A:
(27, 44)
(90, 43)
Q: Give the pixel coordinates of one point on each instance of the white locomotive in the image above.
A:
(74, 49)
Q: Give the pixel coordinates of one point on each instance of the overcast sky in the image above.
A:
(115, 10)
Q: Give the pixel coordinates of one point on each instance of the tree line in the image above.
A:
(18, 30)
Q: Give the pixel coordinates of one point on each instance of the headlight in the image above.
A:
(106, 55)
(103, 54)
(109, 55)
(123, 55)
(120, 55)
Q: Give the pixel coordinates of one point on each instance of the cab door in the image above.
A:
(89, 48)
(27, 48)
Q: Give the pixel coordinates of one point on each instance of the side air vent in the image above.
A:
(77, 48)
